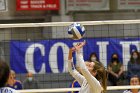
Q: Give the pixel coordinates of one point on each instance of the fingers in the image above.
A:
(80, 45)
(73, 49)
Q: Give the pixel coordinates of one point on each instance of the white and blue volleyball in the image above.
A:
(76, 31)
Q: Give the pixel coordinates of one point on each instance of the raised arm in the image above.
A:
(92, 81)
(72, 69)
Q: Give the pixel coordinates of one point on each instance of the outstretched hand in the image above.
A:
(78, 46)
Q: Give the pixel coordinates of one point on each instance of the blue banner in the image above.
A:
(50, 56)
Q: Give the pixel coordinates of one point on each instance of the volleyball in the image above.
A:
(76, 31)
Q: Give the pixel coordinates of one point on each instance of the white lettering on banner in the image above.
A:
(38, 2)
(29, 60)
(36, 6)
(24, 6)
(126, 50)
(53, 57)
(103, 52)
(23, 2)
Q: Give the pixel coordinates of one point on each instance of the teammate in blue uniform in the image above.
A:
(17, 85)
(4, 78)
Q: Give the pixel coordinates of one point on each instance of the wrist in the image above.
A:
(73, 49)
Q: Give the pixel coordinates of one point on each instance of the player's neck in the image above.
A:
(134, 90)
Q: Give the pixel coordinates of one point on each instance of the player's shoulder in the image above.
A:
(7, 90)
(18, 81)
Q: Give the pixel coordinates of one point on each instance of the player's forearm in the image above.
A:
(71, 66)
(74, 72)
(70, 54)
(80, 61)
(93, 82)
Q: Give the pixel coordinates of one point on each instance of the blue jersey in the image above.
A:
(17, 85)
(74, 84)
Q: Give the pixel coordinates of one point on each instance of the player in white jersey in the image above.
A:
(4, 77)
(92, 72)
